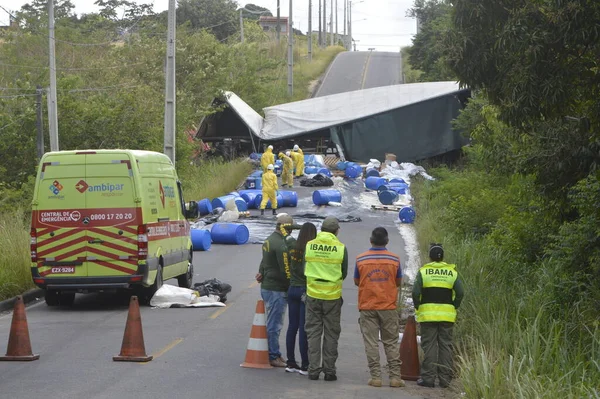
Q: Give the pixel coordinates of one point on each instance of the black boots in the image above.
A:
(262, 212)
(274, 212)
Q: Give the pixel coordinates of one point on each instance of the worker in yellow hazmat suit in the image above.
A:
(287, 175)
(300, 162)
(268, 158)
(296, 158)
(269, 190)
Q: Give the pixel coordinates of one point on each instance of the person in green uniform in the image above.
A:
(296, 300)
(274, 276)
(326, 267)
(437, 293)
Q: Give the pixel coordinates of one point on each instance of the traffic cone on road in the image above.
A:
(19, 345)
(409, 352)
(133, 349)
(257, 353)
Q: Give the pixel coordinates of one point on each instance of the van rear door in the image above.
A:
(114, 215)
(57, 218)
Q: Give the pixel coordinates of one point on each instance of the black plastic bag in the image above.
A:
(213, 287)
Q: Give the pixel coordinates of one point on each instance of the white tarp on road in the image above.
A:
(300, 117)
(171, 296)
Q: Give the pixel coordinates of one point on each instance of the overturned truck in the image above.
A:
(412, 121)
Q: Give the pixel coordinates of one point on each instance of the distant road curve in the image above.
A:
(356, 70)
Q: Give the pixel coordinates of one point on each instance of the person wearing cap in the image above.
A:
(299, 161)
(326, 267)
(378, 275)
(287, 175)
(269, 190)
(267, 158)
(274, 276)
(436, 294)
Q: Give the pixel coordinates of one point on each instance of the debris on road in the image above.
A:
(317, 181)
(213, 287)
(170, 296)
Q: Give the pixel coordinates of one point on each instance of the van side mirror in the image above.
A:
(191, 210)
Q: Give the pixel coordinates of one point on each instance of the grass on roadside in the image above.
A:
(510, 341)
(15, 266)
(213, 178)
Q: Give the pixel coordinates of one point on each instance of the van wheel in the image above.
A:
(52, 298)
(148, 293)
(66, 299)
(186, 280)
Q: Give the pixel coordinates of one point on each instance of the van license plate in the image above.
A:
(63, 270)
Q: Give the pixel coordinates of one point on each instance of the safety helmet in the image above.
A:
(436, 252)
(270, 166)
(270, 147)
(296, 148)
(288, 153)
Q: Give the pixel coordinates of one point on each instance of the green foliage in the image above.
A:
(212, 178)
(254, 12)
(219, 17)
(410, 75)
(15, 266)
(427, 52)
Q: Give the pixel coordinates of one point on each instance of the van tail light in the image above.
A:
(33, 244)
(142, 234)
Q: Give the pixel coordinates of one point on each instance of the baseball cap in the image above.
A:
(330, 223)
(284, 218)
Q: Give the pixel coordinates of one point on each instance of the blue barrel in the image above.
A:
(397, 180)
(372, 172)
(201, 239)
(400, 188)
(341, 165)
(407, 215)
(229, 233)
(324, 197)
(250, 183)
(374, 182)
(250, 197)
(259, 198)
(241, 204)
(256, 173)
(205, 207)
(255, 156)
(242, 192)
(324, 172)
(279, 162)
(353, 170)
(220, 202)
(234, 193)
(387, 197)
(311, 170)
(290, 199)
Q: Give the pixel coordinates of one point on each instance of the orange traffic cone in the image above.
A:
(257, 353)
(409, 352)
(19, 346)
(133, 349)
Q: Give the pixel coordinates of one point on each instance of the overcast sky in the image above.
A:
(379, 24)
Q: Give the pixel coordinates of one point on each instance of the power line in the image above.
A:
(71, 69)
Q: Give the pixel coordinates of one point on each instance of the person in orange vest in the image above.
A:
(378, 275)
(436, 294)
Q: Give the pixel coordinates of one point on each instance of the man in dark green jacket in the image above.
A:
(274, 276)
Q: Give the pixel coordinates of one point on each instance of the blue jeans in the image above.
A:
(275, 303)
(296, 322)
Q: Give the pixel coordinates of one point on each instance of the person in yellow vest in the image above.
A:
(437, 293)
(299, 160)
(269, 190)
(326, 267)
(287, 175)
(267, 158)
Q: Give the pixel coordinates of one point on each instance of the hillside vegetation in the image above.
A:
(110, 87)
(519, 214)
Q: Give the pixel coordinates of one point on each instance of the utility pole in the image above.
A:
(241, 26)
(331, 21)
(336, 23)
(310, 35)
(349, 25)
(324, 23)
(345, 24)
(40, 126)
(278, 27)
(290, 53)
(320, 36)
(52, 98)
(170, 123)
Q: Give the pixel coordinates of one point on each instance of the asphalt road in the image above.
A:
(197, 352)
(356, 70)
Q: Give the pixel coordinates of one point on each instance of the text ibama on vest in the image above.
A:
(323, 248)
(440, 272)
